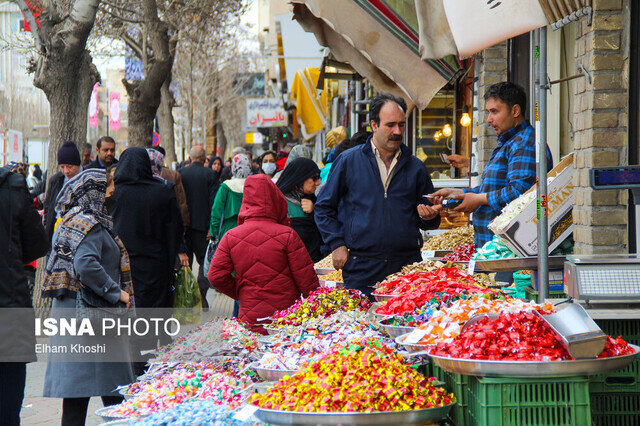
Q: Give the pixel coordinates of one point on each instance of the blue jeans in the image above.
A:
(12, 380)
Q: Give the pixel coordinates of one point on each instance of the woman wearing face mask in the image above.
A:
(87, 261)
(298, 183)
(268, 163)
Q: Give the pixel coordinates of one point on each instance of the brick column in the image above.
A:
(491, 68)
(600, 118)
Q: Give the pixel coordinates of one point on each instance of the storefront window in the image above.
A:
(436, 134)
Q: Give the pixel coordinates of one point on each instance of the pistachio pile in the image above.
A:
(450, 240)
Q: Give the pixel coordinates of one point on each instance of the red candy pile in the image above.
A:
(407, 282)
(521, 336)
(461, 254)
(451, 281)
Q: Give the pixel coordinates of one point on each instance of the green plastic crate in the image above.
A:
(458, 384)
(615, 409)
(627, 380)
(531, 294)
(516, 402)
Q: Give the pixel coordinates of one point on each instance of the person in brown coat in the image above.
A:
(175, 177)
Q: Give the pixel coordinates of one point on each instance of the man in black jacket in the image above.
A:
(106, 148)
(69, 162)
(200, 185)
(22, 240)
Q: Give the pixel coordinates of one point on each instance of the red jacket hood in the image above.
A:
(262, 200)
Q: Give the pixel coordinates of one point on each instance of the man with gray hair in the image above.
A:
(200, 184)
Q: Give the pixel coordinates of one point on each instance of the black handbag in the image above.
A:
(213, 245)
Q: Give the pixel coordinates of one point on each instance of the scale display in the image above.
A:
(623, 177)
(603, 277)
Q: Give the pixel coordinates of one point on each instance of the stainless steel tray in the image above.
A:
(412, 347)
(534, 369)
(394, 418)
(384, 297)
(102, 412)
(273, 331)
(518, 263)
(270, 375)
(394, 330)
(377, 317)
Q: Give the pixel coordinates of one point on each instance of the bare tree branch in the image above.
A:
(31, 20)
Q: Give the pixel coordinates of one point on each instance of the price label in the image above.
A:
(329, 284)
(472, 267)
(428, 254)
(246, 412)
(415, 336)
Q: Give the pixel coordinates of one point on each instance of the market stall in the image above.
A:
(443, 341)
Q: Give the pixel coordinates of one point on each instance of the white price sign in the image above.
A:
(246, 412)
(472, 267)
(415, 336)
(428, 254)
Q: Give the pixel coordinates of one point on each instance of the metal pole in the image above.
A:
(541, 157)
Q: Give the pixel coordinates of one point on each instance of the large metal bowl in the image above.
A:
(413, 417)
(270, 375)
(383, 297)
(273, 331)
(412, 347)
(127, 396)
(394, 330)
(377, 317)
(580, 367)
(102, 412)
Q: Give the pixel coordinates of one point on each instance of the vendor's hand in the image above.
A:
(443, 193)
(307, 205)
(459, 161)
(428, 212)
(471, 202)
(124, 298)
(340, 256)
(184, 259)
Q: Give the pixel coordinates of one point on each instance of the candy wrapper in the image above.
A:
(461, 254)
(358, 376)
(200, 412)
(323, 302)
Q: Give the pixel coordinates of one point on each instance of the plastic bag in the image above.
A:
(187, 302)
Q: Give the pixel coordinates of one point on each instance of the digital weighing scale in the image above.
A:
(608, 278)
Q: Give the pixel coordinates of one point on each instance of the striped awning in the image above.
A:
(379, 44)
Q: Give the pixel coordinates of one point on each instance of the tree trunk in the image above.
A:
(165, 120)
(144, 96)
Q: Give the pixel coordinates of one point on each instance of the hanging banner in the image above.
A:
(114, 111)
(93, 107)
(265, 112)
(476, 25)
(15, 148)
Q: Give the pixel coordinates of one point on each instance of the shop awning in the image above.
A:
(311, 103)
(375, 40)
(464, 27)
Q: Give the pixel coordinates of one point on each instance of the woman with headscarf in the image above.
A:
(88, 265)
(267, 162)
(298, 151)
(228, 200)
(216, 164)
(148, 220)
(298, 183)
(173, 179)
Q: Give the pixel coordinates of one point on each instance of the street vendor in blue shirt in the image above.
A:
(511, 171)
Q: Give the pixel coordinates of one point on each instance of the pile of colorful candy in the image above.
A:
(445, 283)
(201, 412)
(321, 303)
(461, 254)
(407, 282)
(450, 240)
(222, 388)
(493, 250)
(219, 337)
(522, 336)
(360, 376)
(445, 323)
(290, 354)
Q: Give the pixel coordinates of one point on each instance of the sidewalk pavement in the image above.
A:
(37, 410)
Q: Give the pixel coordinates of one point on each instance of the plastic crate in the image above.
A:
(515, 402)
(531, 294)
(458, 384)
(615, 409)
(627, 380)
(424, 369)
(629, 329)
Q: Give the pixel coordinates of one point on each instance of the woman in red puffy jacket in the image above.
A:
(271, 264)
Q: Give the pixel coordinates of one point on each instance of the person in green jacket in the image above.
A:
(298, 183)
(229, 198)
